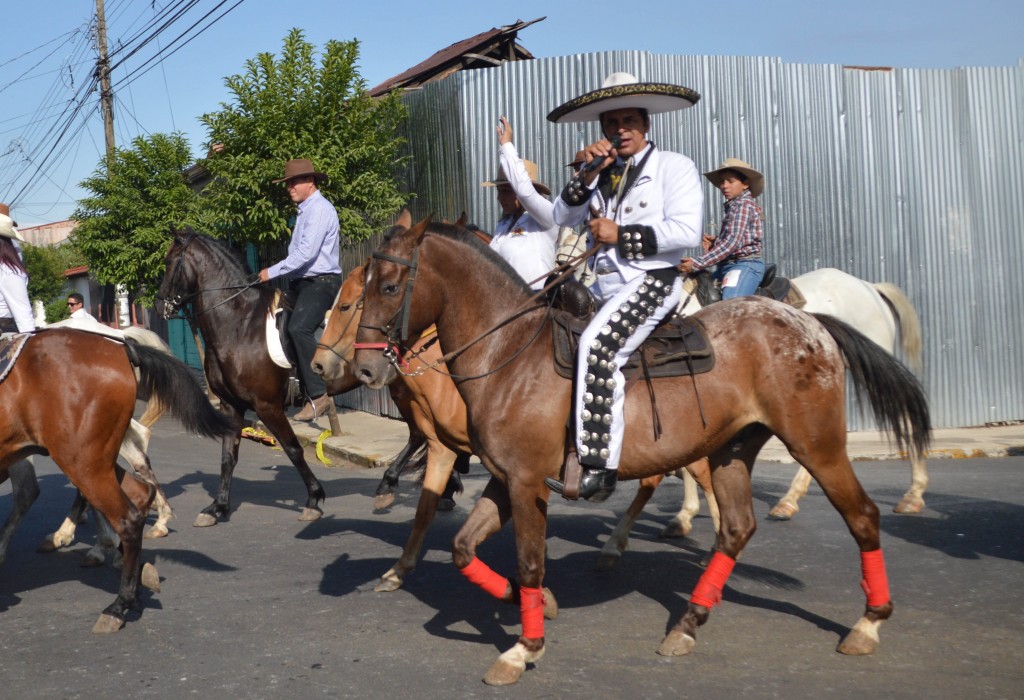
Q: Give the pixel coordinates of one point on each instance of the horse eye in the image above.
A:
(390, 289)
(344, 307)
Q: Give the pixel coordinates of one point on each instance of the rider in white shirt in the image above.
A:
(526, 234)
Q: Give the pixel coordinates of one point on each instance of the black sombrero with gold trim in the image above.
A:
(622, 90)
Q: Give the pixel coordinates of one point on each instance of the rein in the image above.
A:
(180, 300)
(392, 348)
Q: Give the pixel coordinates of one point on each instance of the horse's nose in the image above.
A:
(317, 367)
(365, 376)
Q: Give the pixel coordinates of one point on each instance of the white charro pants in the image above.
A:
(630, 312)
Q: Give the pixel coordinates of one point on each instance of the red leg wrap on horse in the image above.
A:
(482, 575)
(875, 582)
(709, 589)
(531, 608)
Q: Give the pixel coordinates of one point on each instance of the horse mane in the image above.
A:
(467, 237)
(231, 268)
(228, 258)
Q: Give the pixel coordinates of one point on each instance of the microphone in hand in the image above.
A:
(596, 163)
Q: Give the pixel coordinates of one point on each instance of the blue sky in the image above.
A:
(47, 56)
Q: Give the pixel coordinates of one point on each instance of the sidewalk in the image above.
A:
(372, 441)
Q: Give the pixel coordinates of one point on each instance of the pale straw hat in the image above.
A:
(754, 178)
(531, 170)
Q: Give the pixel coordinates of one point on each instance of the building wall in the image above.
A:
(913, 177)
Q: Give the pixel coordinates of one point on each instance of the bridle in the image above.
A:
(177, 303)
(393, 347)
(341, 335)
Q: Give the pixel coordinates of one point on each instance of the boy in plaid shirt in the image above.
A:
(737, 248)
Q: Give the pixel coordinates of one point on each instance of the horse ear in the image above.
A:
(404, 219)
(463, 219)
(415, 233)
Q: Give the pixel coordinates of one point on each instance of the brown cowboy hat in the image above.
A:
(531, 170)
(300, 167)
(621, 91)
(754, 178)
(579, 159)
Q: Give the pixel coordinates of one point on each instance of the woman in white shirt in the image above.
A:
(526, 234)
(15, 307)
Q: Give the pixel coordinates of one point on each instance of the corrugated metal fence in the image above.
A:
(914, 177)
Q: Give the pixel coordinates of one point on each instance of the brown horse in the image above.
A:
(71, 396)
(777, 371)
(427, 400)
(435, 412)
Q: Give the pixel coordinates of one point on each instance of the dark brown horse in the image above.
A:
(71, 396)
(777, 371)
(212, 284)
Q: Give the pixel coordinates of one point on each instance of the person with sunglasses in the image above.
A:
(76, 307)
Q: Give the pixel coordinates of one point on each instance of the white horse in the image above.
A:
(878, 310)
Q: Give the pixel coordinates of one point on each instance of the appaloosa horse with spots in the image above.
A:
(777, 371)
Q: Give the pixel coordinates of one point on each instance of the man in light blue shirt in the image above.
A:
(313, 267)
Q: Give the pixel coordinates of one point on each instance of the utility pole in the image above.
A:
(123, 309)
(106, 95)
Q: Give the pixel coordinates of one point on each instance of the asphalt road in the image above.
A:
(265, 606)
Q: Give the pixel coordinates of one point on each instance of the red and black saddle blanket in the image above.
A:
(677, 348)
(10, 348)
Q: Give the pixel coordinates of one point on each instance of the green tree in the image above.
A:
(46, 282)
(298, 107)
(123, 226)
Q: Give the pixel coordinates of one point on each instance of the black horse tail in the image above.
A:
(172, 382)
(894, 394)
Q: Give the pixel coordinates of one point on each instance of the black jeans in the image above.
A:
(313, 298)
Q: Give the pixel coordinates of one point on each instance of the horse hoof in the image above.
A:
(676, 529)
(91, 559)
(550, 605)
(155, 531)
(510, 666)
(107, 624)
(204, 520)
(607, 561)
(677, 644)
(310, 514)
(51, 543)
(389, 583)
(150, 578)
(445, 505)
(383, 501)
(783, 511)
(909, 505)
(857, 643)
(862, 639)
(504, 673)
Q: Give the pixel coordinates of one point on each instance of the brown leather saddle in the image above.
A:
(676, 348)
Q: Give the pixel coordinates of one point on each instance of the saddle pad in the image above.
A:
(677, 348)
(10, 348)
(274, 345)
